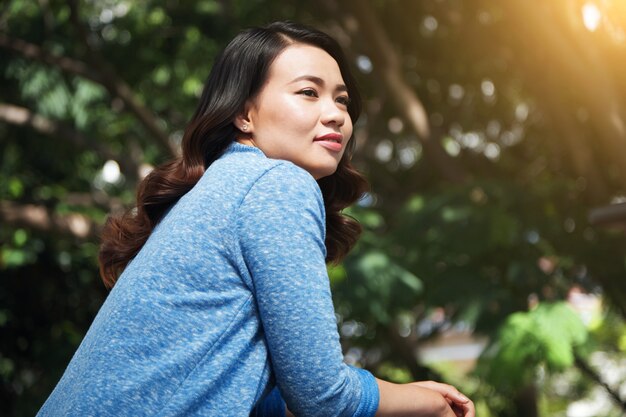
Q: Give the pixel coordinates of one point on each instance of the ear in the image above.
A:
(243, 121)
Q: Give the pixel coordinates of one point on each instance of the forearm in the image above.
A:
(399, 400)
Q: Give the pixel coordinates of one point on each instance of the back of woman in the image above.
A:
(180, 333)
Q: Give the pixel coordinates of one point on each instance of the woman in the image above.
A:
(223, 306)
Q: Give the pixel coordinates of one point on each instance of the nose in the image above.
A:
(332, 113)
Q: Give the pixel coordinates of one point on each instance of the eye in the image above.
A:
(309, 92)
(345, 100)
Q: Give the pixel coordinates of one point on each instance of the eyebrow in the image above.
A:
(318, 81)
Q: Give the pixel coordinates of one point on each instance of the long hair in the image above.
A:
(237, 75)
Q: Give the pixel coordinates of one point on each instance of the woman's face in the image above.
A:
(301, 112)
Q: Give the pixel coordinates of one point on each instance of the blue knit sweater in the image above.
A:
(228, 298)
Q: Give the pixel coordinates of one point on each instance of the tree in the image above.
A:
(484, 161)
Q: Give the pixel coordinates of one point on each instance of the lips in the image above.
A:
(331, 137)
(331, 141)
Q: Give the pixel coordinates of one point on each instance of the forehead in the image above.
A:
(298, 60)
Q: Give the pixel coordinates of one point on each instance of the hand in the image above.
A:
(460, 404)
(414, 400)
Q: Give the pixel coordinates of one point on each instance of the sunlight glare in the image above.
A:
(111, 172)
(591, 16)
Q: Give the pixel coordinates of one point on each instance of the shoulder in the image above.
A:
(259, 181)
(283, 204)
(287, 185)
(284, 193)
(287, 177)
(247, 164)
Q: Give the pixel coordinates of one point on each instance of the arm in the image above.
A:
(281, 233)
(280, 229)
(431, 399)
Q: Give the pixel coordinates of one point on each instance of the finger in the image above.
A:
(469, 409)
(446, 390)
(459, 397)
(455, 395)
(458, 409)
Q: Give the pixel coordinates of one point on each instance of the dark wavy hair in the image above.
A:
(237, 75)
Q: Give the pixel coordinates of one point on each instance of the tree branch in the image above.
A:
(42, 219)
(407, 103)
(95, 199)
(23, 117)
(104, 76)
(595, 377)
(611, 215)
(117, 86)
(34, 52)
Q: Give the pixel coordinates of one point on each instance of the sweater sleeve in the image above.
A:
(272, 405)
(281, 228)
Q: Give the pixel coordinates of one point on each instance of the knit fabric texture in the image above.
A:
(228, 299)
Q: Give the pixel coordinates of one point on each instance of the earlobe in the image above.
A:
(243, 121)
(243, 124)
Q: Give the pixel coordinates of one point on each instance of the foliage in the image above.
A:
(550, 334)
(465, 224)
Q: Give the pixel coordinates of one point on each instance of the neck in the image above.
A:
(247, 141)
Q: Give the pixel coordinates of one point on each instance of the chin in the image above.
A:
(318, 174)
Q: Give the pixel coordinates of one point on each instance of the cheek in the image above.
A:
(348, 127)
(287, 113)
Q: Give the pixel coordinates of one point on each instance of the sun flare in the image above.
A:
(591, 16)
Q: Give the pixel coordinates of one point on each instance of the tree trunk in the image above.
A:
(525, 402)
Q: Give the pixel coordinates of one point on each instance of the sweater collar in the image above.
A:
(236, 147)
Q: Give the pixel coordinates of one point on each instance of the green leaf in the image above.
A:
(548, 334)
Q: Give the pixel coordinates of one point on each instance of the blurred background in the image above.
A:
(494, 138)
